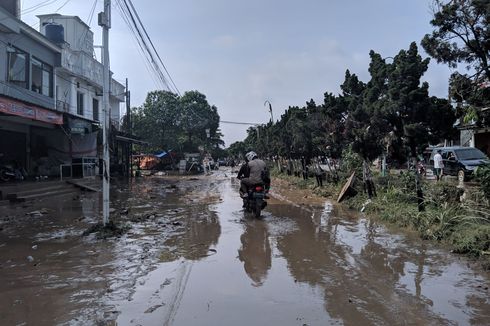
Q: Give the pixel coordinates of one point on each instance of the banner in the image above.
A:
(29, 111)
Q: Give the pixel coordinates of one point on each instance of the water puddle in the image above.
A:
(193, 257)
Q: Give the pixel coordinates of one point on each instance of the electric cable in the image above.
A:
(64, 4)
(147, 61)
(153, 46)
(153, 61)
(39, 5)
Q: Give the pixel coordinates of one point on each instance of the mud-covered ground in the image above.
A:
(192, 257)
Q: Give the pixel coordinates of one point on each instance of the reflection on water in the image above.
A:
(202, 232)
(301, 264)
(370, 276)
(255, 252)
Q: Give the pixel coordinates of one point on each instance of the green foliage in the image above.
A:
(466, 226)
(472, 239)
(390, 113)
(237, 149)
(168, 121)
(483, 175)
(443, 192)
(439, 223)
(351, 162)
(461, 35)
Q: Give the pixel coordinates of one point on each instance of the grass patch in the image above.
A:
(452, 216)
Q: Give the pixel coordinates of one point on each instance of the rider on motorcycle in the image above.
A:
(257, 174)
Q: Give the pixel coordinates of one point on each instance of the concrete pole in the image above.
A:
(105, 22)
(129, 131)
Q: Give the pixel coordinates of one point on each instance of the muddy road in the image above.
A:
(192, 257)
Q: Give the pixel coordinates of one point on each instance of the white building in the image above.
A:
(79, 80)
(50, 92)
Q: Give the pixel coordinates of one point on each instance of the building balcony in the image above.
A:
(83, 65)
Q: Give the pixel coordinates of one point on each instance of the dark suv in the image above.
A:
(460, 161)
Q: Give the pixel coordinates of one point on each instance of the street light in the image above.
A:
(388, 139)
(270, 109)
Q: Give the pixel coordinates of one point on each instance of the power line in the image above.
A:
(64, 4)
(91, 15)
(158, 55)
(147, 61)
(39, 5)
(153, 61)
(241, 123)
(146, 46)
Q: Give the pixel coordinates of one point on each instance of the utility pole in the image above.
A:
(105, 22)
(128, 121)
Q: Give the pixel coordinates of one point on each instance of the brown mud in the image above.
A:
(192, 257)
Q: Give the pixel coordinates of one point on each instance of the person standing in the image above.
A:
(318, 173)
(304, 168)
(438, 165)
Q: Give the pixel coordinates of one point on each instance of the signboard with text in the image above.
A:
(29, 111)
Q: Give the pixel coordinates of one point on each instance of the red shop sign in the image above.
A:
(29, 111)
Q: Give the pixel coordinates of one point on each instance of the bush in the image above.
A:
(351, 162)
(472, 239)
(483, 175)
(443, 192)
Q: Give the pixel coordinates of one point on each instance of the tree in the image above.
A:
(462, 35)
(409, 104)
(196, 115)
(168, 121)
(237, 149)
(156, 120)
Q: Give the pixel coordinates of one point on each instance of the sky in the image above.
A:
(243, 53)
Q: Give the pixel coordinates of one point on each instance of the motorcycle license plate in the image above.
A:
(258, 195)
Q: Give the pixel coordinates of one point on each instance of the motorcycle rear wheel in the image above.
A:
(258, 208)
(4, 177)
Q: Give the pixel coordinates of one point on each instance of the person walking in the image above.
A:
(438, 165)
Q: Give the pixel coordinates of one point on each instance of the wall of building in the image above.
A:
(76, 33)
(35, 49)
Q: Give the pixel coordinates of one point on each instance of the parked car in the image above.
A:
(460, 161)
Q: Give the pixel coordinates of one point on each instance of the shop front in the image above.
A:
(26, 132)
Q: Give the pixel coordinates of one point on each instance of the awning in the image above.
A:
(29, 111)
(79, 126)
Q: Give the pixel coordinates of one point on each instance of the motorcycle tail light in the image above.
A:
(258, 188)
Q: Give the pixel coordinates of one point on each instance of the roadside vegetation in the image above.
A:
(456, 217)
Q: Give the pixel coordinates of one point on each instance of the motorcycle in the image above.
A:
(7, 173)
(255, 201)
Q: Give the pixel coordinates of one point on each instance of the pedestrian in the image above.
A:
(318, 173)
(438, 165)
(304, 168)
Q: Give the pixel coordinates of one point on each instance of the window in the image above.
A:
(471, 154)
(42, 80)
(80, 103)
(17, 67)
(95, 108)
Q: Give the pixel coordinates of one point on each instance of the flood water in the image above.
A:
(193, 257)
